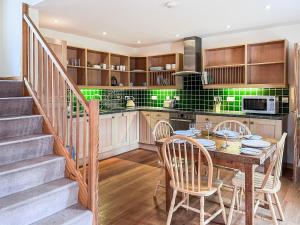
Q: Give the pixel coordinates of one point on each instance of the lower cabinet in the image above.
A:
(118, 133)
(264, 127)
(147, 122)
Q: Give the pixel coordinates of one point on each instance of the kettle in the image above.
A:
(130, 102)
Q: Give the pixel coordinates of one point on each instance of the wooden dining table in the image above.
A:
(231, 157)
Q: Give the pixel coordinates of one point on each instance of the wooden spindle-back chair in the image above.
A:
(162, 129)
(267, 184)
(232, 125)
(190, 156)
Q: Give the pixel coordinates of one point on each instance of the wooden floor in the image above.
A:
(126, 195)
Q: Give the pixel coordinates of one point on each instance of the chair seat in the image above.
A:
(239, 181)
(203, 187)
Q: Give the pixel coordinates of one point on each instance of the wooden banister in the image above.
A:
(72, 121)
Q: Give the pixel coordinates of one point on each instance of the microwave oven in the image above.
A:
(260, 104)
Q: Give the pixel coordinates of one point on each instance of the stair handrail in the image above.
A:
(72, 120)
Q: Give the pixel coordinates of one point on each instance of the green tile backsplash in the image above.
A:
(193, 96)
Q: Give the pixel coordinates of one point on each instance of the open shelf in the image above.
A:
(77, 75)
(263, 65)
(227, 56)
(76, 56)
(138, 73)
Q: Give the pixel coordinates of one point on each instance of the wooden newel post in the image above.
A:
(93, 159)
(25, 43)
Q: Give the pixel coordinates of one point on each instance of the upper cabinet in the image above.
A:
(95, 69)
(252, 65)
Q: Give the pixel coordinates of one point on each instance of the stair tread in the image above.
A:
(2, 118)
(17, 139)
(31, 194)
(67, 216)
(29, 163)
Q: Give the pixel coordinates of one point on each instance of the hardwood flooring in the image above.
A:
(127, 184)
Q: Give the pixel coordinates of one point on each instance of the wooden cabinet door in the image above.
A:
(145, 132)
(106, 133)
(120, 129)
(215, 120)
(155, 118)
(133, 127)
(266, 128)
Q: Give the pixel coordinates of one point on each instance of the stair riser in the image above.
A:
(15, 107)
(11, 89)
(20, 127)
(39, 208)
(27, 149)
(29, 177)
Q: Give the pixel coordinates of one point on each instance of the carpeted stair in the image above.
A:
(33, 187)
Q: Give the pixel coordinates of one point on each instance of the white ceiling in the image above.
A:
(148, 21)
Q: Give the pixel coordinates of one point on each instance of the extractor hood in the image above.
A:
(192, 58)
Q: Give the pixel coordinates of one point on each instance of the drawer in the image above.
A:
(160, 115)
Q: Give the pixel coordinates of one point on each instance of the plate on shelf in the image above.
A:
(256, 143)
(251, 151)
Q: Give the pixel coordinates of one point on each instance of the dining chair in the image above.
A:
(232, 125)
(264, 184)
(162, 129)
(186, 178)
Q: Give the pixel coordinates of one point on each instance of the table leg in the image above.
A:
(168, 190)
(249, 194)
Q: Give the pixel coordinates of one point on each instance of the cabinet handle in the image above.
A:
(245, 122)
(206, 119)
(112, 117)
(251, 122)
(122, 114)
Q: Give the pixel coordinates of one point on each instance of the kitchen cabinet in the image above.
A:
(266, 127)
(215, 120)
(106, 133)
(134, 127)
(145, 130)
(147, 122)
(120, 127)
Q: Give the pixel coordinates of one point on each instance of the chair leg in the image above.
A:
(156, 188)
(237, 200)
(279, 207)
(232, 206)
(274, 218)
(171, 207)
(218, 173)
(222, 206)
(202, 210)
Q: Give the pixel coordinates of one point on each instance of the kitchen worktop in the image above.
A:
(222, 113)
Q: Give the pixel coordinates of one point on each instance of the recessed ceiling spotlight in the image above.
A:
(104, 33)
(55, 21)
(139, 42)
(268, 7)
(228, 26)
(177, 35)
(170, 4)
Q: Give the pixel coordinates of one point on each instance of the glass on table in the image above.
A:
(208, 126)
(225, 133)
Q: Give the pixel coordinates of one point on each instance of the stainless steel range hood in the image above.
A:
(192, 58)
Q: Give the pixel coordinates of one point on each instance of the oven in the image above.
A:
(181, 121)
(260, 104)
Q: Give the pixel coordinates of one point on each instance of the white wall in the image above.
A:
(1, 35)
(85, 42)
(10, 48)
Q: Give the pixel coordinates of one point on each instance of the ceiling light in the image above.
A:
(268, 7)
(170, 4)
(139, 42)
(228, 26)
(177, 35)
(104, 33)
(55, 21)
